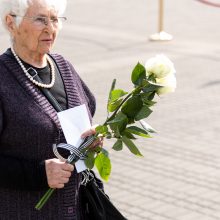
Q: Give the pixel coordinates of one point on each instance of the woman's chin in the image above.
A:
(46, 47)
(45, 50)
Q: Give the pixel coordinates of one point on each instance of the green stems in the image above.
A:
(124, 100)
(44, 199)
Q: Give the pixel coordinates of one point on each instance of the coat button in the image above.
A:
(70, 210)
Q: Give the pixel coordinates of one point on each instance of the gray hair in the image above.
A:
(20, 7)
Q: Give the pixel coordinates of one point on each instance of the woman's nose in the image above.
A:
(49, 25)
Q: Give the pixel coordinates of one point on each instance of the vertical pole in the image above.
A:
(161, 13)
(161, 35)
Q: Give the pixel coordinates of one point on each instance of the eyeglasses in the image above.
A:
(40, 22)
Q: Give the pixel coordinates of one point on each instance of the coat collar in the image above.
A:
(29, 88)
(72, 85)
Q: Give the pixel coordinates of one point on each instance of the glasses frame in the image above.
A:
(44, 20)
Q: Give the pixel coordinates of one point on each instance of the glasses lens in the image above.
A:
(41, 22)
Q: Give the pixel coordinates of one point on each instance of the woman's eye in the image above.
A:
(40, 20)
(54, 20)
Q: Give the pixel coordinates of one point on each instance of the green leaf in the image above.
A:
(131, 146)
(131, 121)
(147, 127)
(116, 131)
(132, 106)
(138, 74)
(110, 93)
(103, 165)
(145, 99)
(97, 149)
(101, 129)
(143, 113)
(151, 87)
(151, 96)
(137, 90)
(119, 122)
(119, 117)
(128, 134)
(112, 88)
(116, 94)
(138, 131)
(149, 103)
(118, 145)
(108, 135)
(90, 159)
(112, 106)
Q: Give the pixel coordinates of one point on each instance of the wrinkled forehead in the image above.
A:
(43, 7)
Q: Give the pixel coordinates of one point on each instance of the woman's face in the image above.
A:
(32, 35)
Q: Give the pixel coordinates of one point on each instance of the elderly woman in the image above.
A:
(29, 125)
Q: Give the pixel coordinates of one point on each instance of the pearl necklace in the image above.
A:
(47, 86)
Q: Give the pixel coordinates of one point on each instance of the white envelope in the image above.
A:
(74, 122)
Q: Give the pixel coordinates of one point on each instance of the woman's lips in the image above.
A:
(47, 40)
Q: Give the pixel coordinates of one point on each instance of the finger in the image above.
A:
(59, 178)
(64, 180)
(55, 184)
(97, 142)
(101, 140)
(66, 174)
(89, 132)
(94, 144)
(67, 167)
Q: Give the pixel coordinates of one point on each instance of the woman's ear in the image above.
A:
(10, 24)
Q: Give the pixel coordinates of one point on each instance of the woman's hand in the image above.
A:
(92, 131)
(58, 172)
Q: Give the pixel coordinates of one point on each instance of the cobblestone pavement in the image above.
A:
(179, 176)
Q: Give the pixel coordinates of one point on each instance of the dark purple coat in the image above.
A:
(30, 127)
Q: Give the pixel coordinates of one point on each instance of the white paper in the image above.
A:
(74, 122)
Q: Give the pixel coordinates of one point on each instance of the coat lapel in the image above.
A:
(73, 90)
(32, 90)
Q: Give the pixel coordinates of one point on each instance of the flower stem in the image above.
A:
(44, 199)
(124, 100)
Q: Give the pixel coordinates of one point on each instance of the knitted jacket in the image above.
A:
(30, 127)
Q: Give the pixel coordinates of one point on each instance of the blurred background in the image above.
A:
(179, 176)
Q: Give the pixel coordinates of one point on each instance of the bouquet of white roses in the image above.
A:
(124, 109)
(156, 77)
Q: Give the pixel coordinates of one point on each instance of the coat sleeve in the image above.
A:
(16, 173)
(22, 174)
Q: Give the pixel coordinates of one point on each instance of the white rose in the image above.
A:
(160, 66)
(168, 83)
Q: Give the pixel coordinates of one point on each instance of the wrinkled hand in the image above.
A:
(92, 131)
(58, 172)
